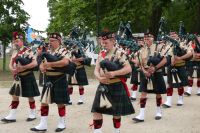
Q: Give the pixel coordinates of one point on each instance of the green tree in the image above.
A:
(12, 18)
(143, 14)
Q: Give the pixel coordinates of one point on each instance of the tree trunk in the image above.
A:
(156, 15)
(154, 19)
(197, 24)
(4, 57)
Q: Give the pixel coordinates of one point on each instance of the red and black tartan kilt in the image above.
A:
(121, 104)
(81, 77)
(28, 85)
(59, 94)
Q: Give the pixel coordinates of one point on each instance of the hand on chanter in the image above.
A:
(103, 80)
(110, 74)
(151, 70)
(42, 68)
(14, 71)
(20, 68)
(147, 73)
(177, 58)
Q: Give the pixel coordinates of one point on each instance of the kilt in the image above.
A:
(134, 75)
(121, 104)
(81, 77)
(192, 67)
(59, 94)
(28, 85)
(181, 74)
(158, 82)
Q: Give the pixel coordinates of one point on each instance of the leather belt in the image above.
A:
(180, 64)
(24, 73)
(54, 73)
(114, 80)
(80, 66)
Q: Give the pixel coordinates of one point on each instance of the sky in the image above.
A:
(39, 13)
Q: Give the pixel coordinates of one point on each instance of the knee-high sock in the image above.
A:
(198, 83)
(44, 110)
(180, 91)
(98, 123)
(159, 101)
(190, 82)
(14, 104)
(134, 87)
(70, 90)
(61, 111)
(81, 90)
(116, 122)
(143, 102)
(32, 104)
(169, 91)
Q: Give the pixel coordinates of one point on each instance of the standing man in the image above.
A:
(24, 80)
(111, 87)
(54, 90)
(176, 73)
(194, 68)
(135, 80)
(80, 76)
(151, 76)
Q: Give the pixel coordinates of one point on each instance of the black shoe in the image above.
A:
(158, 117)
(178, 104)
(79, 103)
(198, 94)
(166, 106)
(137, 120)
(38, 130)
(187, 94)
(30, 119)
(8, 121)
(59, 129)
(69, 103)
(133, 99)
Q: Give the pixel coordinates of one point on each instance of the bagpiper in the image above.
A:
(80, 76)
(111, 96)
(22, 64)
(193, 66)
(54, 90)
(176, 73)
(135, 80)
(151, 60)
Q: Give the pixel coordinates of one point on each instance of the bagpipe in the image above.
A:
(77, 50)
(120, 31)
(157, 57)
(111, 65)
(130, 45)
(125, 39)
(26, 58)
(162, 29)
(69, 68)
(177, 50)
(182, 31)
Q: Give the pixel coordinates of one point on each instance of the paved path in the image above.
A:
(185, 119)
